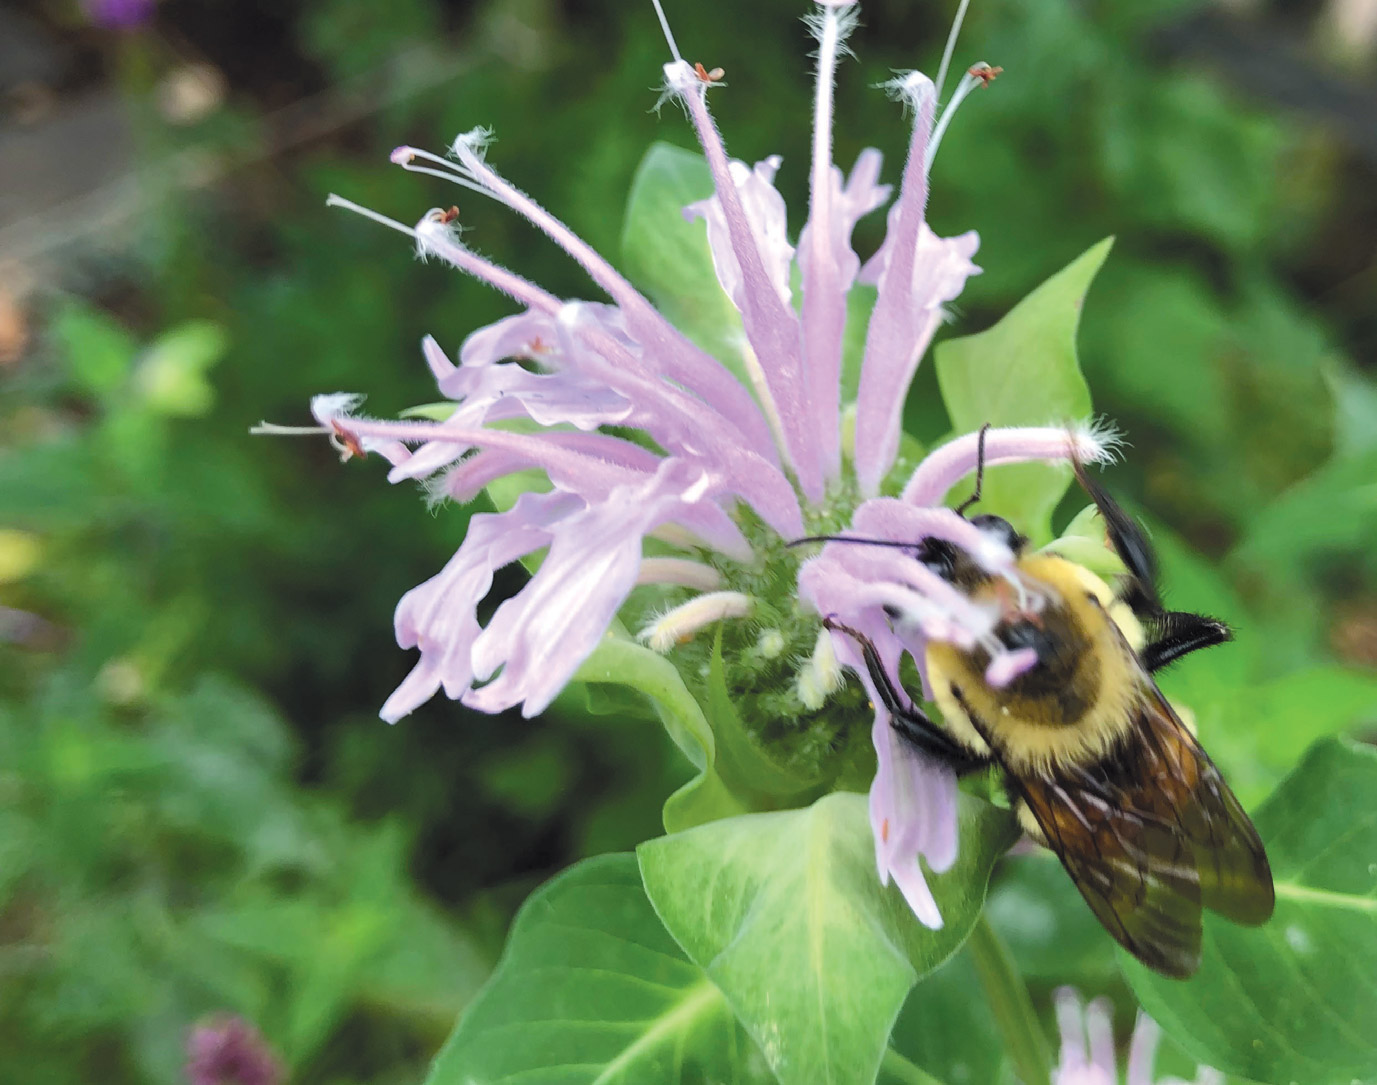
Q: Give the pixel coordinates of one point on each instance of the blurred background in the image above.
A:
(199, 811)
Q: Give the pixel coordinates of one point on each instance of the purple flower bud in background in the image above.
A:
(118, 14)
(227, 1050)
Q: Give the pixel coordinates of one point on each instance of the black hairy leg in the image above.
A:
(907, 718)
(1175, 633)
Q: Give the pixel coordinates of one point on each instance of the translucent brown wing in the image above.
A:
(1151, 835)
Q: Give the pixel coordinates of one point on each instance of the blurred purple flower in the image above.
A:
(786, 446)
(118, 14)
(228, 1050)
(1087, 1047)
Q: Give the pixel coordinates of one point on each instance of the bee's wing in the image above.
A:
(1152, 834)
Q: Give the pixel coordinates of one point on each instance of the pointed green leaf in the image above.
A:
(592, 991)
(785, 913)
(1024, 372)
(669, 259)
(1295, 999)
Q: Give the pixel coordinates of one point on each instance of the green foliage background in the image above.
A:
(199, 810)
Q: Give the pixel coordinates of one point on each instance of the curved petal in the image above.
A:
(440, 616)
(828, 266)
(765, 209)
(540, 636)
(914, 285)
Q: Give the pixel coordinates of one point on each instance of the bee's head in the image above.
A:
(999, 529)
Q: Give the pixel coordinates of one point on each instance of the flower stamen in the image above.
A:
(950, 48)
(978, 75)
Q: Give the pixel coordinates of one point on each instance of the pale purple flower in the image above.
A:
(773, 443)
(228, 1050)
(1087, 1047)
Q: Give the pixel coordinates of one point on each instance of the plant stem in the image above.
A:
(1011, 1006)
(904, 1071)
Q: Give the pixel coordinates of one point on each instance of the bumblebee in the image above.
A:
(1097, 764)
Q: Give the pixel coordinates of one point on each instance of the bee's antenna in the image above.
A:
(979, 472)
(853, 539)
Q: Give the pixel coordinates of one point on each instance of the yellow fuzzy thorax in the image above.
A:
(1031, 733)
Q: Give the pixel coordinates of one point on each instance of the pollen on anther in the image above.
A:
(707, 76)
(350, 447)
(986, 73)
(451, 215)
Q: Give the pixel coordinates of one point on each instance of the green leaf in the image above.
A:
(99, 351)
(1024, 372)
(1293, 1000)
(171, 375)
(669, 259)
(439, 411)
(946, 1028)
(785, 913)
(623, 662)
(592, 991)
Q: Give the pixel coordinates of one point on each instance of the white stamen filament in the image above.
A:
(272, 429)
(669, 34)
(682, 571)
(952, 35)
(683, 622)
(968, 83)
(349, 205)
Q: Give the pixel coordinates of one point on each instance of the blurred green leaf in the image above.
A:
(171, 373)
(946, 1028)
(590, 989)
(97, 349)
(1024, 371)
(1052, 934)
(1291, 1000)
(813, 955)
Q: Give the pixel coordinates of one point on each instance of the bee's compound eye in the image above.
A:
(999, 528)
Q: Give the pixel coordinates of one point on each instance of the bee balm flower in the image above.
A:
(727, 472)
(1087, 1047)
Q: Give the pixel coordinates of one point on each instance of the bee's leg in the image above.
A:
(906, 718)
(1177, 632)
(1130, 543)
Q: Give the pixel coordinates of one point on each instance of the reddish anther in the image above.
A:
(348, 442)
(984, 72)
(708, 76)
